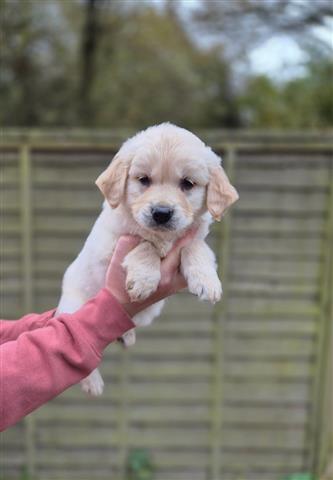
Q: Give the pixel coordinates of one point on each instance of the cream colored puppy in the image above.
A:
(162, 181)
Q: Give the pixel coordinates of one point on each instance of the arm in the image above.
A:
(42, 363)
(11, 330)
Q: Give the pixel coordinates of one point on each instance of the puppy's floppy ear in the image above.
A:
(112, 181)
(220, 194)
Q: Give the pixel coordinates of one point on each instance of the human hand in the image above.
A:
(171, 279)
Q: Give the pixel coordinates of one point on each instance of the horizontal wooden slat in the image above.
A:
(275, 202)
(13, 436)
(50, 246)
(9, 177)
(296, 177)
(94, 459)
(78, 473)
(275, 327)
(265, 439)
(276, 245)
(193, 393)
(271, 371)
(86, 413)
(270, 308)
(81, 436)
(169, 326)
(197, 393)
(288, 160)
(64, 174)
(270, 346)
(288, 268)
(165, 459)
(267, 391)
(9, 199)
(9, 158)
(171, 369)
(10, 268)
(48, 198)
(58, 223)
(274, 289)
(245, 223)
(73, 158)
(200, 346)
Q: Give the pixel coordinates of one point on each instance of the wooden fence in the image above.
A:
(237, 391)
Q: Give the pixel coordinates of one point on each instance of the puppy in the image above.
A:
(163, 181)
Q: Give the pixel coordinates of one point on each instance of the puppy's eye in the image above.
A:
(144, 180)
(186, 184)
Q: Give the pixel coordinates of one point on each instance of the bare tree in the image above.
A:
(88, 58)
(242, 24)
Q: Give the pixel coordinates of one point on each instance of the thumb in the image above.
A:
(125, 244)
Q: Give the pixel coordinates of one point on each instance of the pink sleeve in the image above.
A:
(43, 362)
(12, 329)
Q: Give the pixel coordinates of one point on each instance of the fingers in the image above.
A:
(179, 283)
(115, 275)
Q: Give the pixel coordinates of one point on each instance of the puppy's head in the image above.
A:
(167, 177)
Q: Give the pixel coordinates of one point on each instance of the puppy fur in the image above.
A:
(162, 166)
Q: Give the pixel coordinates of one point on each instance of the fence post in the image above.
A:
(218, 318)
(321, 420)
(27, 282)
(123, 414)
(324, 464)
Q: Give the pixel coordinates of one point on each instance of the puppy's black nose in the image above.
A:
(161, 214)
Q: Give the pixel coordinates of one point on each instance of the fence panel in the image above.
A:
(230, 391)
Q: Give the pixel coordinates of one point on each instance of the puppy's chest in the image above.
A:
(163, 248)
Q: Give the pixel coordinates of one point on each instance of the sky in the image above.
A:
(280, 57)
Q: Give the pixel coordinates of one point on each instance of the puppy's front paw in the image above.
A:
(143, 271)
(206, 287)
(140, 285)
(93, 384)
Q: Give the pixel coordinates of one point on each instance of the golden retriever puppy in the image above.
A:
(163, 181)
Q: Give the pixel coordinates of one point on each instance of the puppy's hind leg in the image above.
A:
(129, 338)
(142, 319)
(93, 384)
(146, 316)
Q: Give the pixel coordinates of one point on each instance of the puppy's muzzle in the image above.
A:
(161, 214)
